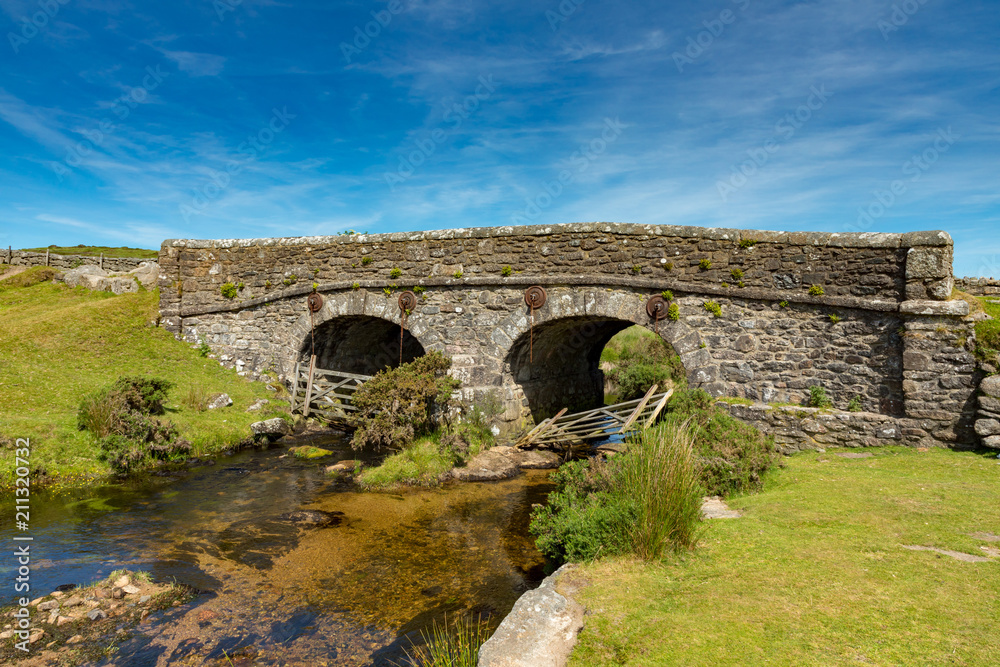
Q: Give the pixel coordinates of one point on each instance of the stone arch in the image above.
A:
(570, 332)
(358, 332)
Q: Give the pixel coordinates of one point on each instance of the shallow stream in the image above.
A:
(356, 593)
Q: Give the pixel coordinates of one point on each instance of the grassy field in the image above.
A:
(625, 339)
(95, 251)
(815, 573)
(58, 344)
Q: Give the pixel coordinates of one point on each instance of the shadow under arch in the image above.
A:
(360, 344)
(560, 368)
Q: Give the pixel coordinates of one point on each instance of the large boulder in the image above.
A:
(147, 273)
(271, 428)
(489, 466)
(85, 275)
(540, 631)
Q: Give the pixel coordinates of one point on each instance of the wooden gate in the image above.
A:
(327, 393)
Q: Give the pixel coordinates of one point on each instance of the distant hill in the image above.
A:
(95, 251)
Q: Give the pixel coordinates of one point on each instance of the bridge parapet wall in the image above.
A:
(899, 343)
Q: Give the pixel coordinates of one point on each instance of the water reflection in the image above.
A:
(357, 592)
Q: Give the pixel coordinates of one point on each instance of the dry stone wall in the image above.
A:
(863, 315)
(979, 286)
(26, 258)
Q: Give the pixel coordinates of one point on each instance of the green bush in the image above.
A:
(401, 403)
(816, 290)
(818, 398)
(506, 271)
(366, 260)
(120, 417)
(705, 264)
(673, 312)
(645, 502)
(731, 456)
(667, 295)
(747, 243)
(228, 290)
(642, 362)
(395, 272)
(737, 274)
(854, 405)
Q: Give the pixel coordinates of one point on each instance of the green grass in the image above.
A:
(814, 573)
(625, 339)
(59, 344)
(988, 333)
(421, 464)
(95, 251)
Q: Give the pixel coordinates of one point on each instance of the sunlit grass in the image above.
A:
(58, 345)
(815, 573)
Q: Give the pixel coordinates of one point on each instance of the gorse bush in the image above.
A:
(401, 403)
(646, 501)
(121, 418)
(731, 456)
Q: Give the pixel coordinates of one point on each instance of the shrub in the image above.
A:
(818, 398)
(401, 403)
(419, 289)
(637, 268)
(736, 274)
(854, 405)
(355, 286)
(120, 417)
(747, 243)
(395, 272)
(741, 284)
(643, 362)
(646, 501)
(705, 264)
(228, 290)
(366, 260)
(667, 295)
(673, 312)
(816, 290)
(783, 304)
(457, 274)
(669, 266)
(713, 307)
(506, 271)
(834, 317)
(731, 456)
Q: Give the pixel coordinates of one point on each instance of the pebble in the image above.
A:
(131, 589)
(97, 614)
(123, 581)
(75, 639)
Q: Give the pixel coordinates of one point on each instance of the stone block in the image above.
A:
(987, 427)
(928, 263)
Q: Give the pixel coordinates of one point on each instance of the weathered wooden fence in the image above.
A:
(598, 424)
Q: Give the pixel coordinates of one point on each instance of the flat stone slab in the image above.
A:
(540, 631)
(957, 555)
(716, 508)
(538, 460)
(492, 465)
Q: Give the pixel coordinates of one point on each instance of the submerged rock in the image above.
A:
(313, 518)
(309, 452)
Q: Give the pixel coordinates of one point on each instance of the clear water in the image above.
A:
(357, 593)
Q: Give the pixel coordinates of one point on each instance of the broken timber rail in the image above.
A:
(327, 393)
(599, 423)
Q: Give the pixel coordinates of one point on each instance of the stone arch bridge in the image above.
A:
(863, 315)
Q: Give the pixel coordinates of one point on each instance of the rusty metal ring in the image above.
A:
(407, 301)
(535, 297)
(657, 307)
(315, 302)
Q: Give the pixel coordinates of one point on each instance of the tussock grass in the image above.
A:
(814, 573)
(421, 464)
(58, 345)
(453, 644)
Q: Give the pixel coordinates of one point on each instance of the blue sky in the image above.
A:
(128, 123)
